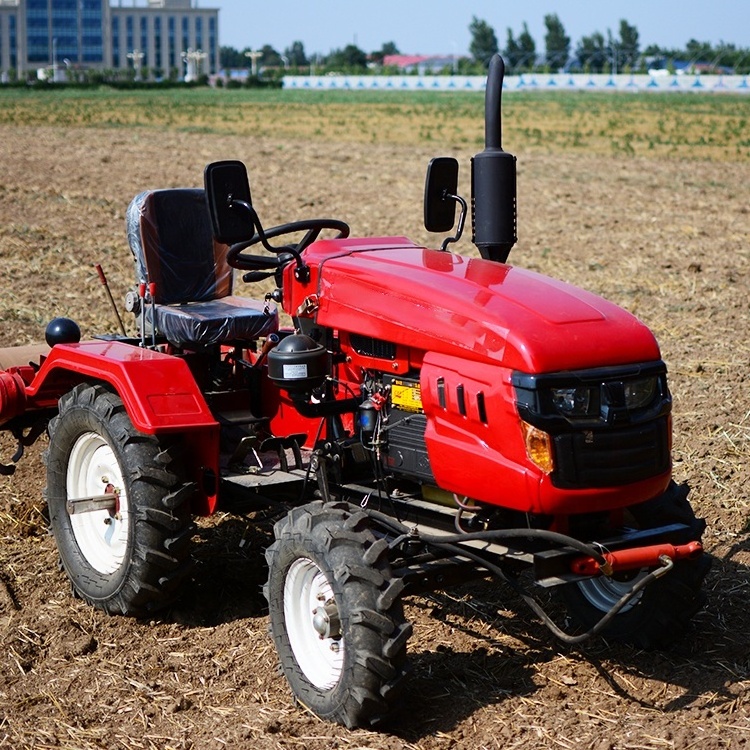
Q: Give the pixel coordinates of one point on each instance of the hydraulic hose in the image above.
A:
(494, 536)
(451, 544)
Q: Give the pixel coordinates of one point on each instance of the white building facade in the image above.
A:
(165, 37)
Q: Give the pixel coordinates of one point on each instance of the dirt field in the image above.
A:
(667, 239)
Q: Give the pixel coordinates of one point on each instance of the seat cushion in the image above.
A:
(215, 322)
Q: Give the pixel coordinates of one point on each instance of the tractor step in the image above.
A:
(254, 480)
(238, 417)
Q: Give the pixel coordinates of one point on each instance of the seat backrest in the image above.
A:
(170, 236)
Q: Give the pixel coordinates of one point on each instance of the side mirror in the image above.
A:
(227, 188)
(441, 182)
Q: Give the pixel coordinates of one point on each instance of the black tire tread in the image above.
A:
(667, 606)
(339, 535)
(160, 507)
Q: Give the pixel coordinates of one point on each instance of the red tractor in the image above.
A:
(425, 418)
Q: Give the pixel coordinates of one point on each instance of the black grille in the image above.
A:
(607, 458)
(370, 347)
(407, 451)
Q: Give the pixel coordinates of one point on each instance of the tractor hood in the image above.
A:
(438, 301)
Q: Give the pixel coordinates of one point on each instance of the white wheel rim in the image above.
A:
(101, 535)
(604, 592)
(321, 659)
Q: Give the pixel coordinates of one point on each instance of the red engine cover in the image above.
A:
(471, 308)
(471, 323)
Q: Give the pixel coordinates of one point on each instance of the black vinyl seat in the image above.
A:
(170, 236)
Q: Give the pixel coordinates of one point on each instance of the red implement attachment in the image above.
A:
(635, 558)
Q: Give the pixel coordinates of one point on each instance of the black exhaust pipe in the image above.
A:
(493, 178)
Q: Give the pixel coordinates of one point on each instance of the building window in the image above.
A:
(199, 33)
(116, 41)
(211, 43)
(144, 41)
(13, 42)
(172, 25)
(129, 34)
(37, 31)
(157, 42)
(92, 31)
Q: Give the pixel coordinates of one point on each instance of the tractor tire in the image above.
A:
(129, 559)
(335, 614)
(660, 614)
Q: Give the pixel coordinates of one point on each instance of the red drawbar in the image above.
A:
(637, 557)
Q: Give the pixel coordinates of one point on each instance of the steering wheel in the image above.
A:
(246, 261)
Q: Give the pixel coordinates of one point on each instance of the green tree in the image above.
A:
(229, 57)
(389, 48)
(483, 41)
(591, 52)
(628, 49)
(270, 58)
(349, 58)
(556, 42)
(527, 47)
(296, 56)
(512, 51)
(698, 51)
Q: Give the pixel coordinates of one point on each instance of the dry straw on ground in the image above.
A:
(666, 237)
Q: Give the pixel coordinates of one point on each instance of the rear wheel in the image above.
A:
(336, 616)
(660, 613)
(118, 505)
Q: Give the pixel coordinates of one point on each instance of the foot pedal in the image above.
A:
(246, 447)
(280, 445)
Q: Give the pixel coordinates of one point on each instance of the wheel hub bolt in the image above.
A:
(326, 620)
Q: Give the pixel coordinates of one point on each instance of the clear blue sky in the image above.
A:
(441, 26)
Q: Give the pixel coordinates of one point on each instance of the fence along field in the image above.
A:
(683, 126)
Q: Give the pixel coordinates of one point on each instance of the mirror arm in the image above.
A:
(461, 219)
(235, 203)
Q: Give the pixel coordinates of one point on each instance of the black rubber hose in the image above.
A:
(571, 640)
(496, 535)
(451, 544)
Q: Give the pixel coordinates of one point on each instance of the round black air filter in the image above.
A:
(298, 364)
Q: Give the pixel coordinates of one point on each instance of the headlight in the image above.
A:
(639, 393)
(577, 401)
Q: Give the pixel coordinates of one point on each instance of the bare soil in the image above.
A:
(668, 240)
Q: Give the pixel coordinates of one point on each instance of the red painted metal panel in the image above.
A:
(158, 390)
(159, 394)
(485, 311)
(480, 452)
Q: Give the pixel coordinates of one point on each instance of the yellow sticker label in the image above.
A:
(406, 397)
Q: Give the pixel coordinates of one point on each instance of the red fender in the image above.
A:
(158, 391)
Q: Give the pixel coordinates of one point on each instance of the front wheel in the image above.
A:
(118, 506)
(336, 616)
(660, 613)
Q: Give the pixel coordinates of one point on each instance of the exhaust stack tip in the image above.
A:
(493, 178)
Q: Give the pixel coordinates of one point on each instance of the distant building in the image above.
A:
(159, 35)
(420, 64)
